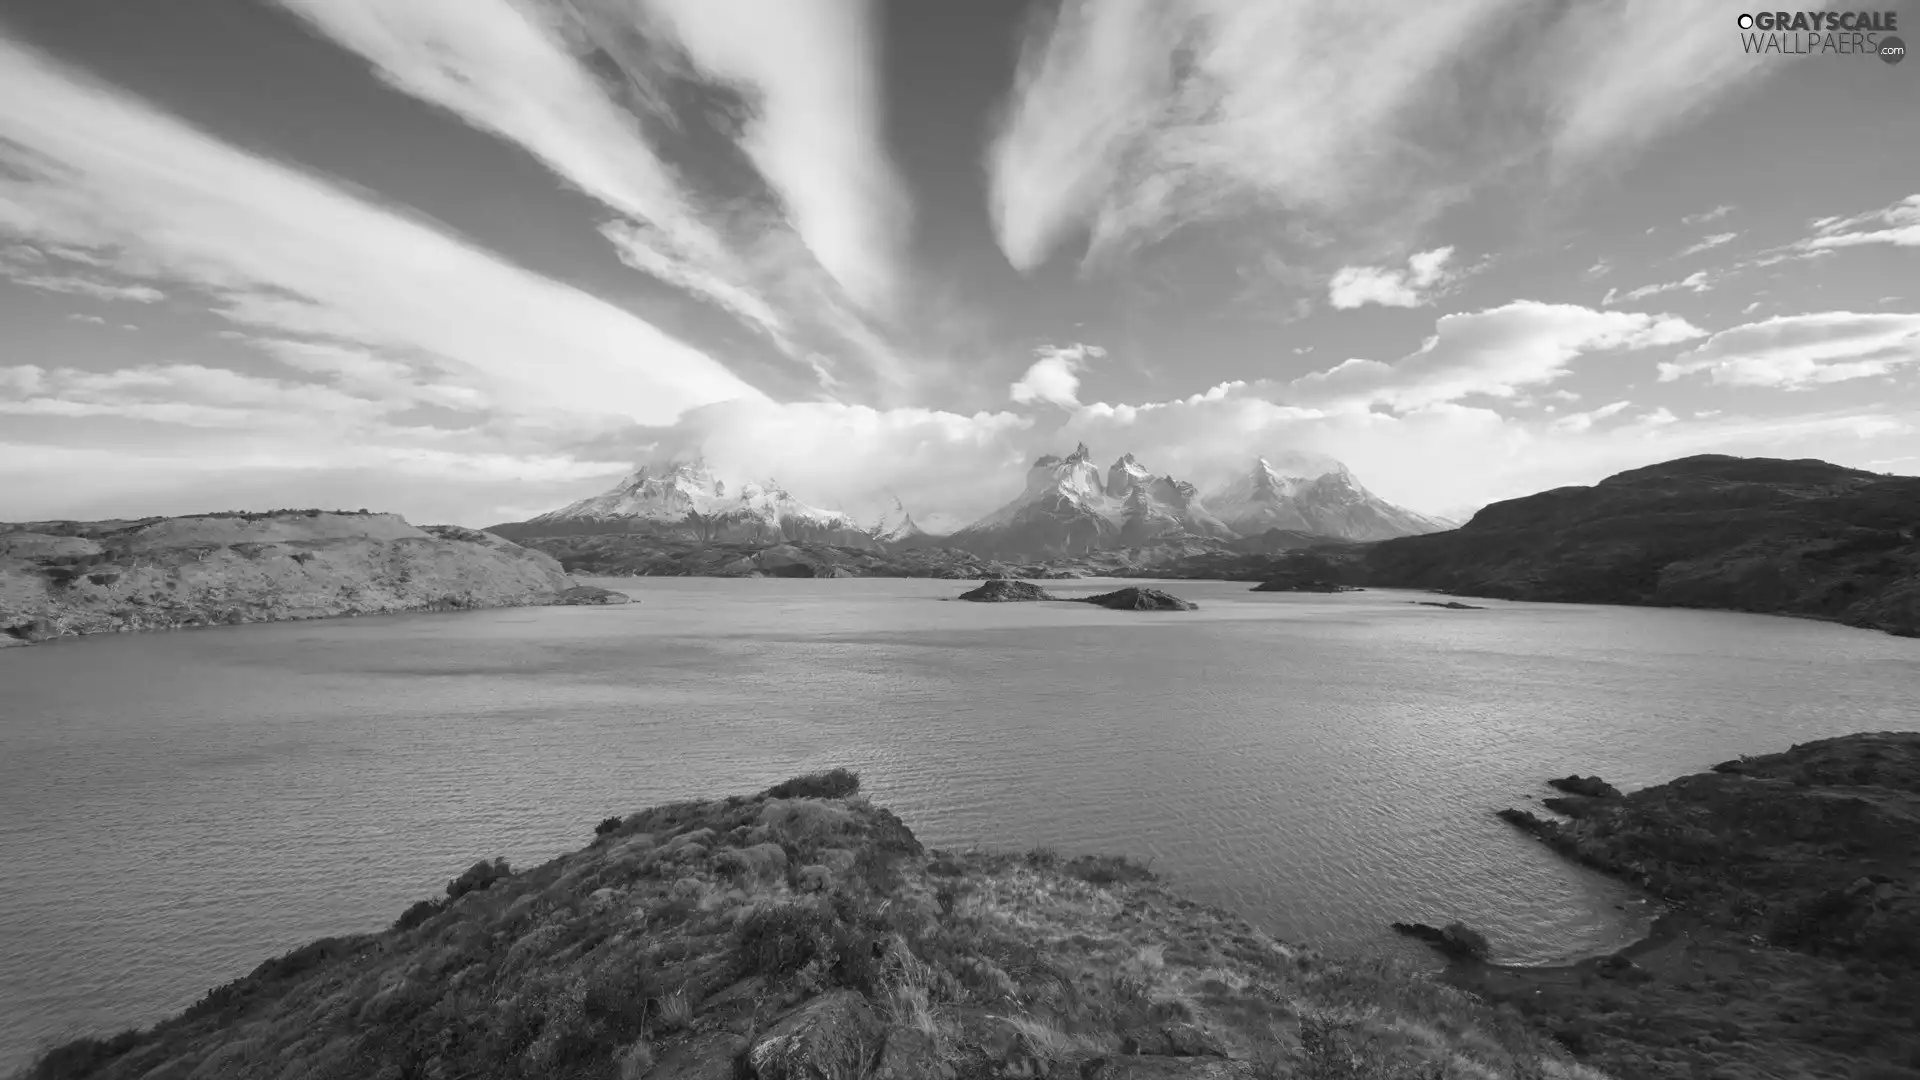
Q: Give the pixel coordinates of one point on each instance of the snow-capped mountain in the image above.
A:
(684, 500)
(895, 527)
(1316, 496)
(1068, 508)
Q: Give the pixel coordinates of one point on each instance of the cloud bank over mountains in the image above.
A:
(1196, 230)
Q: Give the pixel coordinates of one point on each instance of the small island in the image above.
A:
(1135, 598)
(1007, 590)
(1131, 598)
(1285, 584)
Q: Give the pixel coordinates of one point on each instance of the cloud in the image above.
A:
(1354, 286)
(1494, 352)
(1705, 216)
(500, 67)
(74, 285)
(815, 132)
(1583, 420)
(1447, 455)
(1800, 351)
(1699, 281)
(186, 394)
(1133, 118)
(806, 260)
(1708, 243)
(86, 167)
(93, 319)
(1055, 377)
(1898, 225)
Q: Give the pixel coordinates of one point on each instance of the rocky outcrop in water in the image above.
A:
(1288, 585)
(1587, 787)
(1007, 590)
(591, 595)
(67, 577)
(1135, 598)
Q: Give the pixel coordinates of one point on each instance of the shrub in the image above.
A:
(82, 1056)
(832, 784)
(778, 938)
(606, 826)
(420, 912)
(479, 876)
(1107, 870)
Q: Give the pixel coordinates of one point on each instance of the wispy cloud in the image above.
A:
(1705, 216)
(805, 262)
(1135, 117)
(75, 285)
(1055, 375)
(87, 167)
(1898, 225)
(815, 131)
(186, 394)
(1354, 286)
(1708, 243)
(1800, 351)
(1581, 421)
(1699, 281)
(501, 67)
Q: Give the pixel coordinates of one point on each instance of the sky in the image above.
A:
(470, 260)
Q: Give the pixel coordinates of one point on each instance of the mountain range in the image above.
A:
(1068, 507)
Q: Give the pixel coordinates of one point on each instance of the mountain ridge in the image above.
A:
(1792, 537)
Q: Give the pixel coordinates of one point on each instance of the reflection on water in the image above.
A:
(176, 807)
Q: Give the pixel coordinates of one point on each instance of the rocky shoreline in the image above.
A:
(66, 578)
(1791, 939)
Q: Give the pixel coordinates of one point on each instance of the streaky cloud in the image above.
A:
(1130, 119)
(87, 167)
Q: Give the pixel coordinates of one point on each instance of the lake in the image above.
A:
(177, 807)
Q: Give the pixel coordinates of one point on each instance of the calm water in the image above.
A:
(176, 807)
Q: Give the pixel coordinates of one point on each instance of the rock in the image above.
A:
(1454, 940)
(1135, 598)
(1591, 787)
(591, 594)
(908, 1054)
(1292, 585)
(1007, 590)
(832, 1035)
(1174, 1040)
(31, 630)
(1453, 605)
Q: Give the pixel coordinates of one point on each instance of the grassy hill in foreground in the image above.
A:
(804, 933)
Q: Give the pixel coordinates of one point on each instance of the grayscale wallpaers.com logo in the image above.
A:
(1845, 33)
